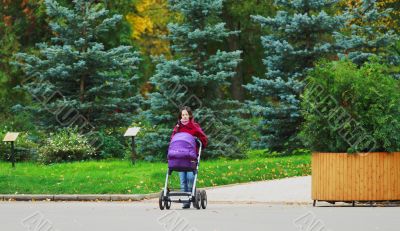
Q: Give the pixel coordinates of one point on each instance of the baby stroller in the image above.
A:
(182, 156)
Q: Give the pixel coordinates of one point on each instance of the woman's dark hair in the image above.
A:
(188, 110)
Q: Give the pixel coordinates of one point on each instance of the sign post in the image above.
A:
(11, 137)
(132, 132)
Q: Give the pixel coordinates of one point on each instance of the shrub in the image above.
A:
(25, 147)
(350, 109)
(111, 147)
(65, 145)
(147, 138)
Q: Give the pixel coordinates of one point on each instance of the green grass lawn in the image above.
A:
(117, 176)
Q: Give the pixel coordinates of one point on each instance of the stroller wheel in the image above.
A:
(161, 200)
(203, 199)
(197, 199)
(167, 203)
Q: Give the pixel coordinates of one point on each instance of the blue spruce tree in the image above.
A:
(366, 35)
(197, 76)
(74, 79)
(299, 34)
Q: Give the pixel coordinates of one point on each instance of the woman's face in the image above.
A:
(185, 115)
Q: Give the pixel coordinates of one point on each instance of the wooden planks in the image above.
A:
(355, 177)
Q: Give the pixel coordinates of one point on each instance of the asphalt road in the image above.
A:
(63, 216)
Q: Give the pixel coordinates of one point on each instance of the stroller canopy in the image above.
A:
(182, 146)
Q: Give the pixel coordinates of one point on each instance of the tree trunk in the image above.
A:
(82, 89)
(236, 87)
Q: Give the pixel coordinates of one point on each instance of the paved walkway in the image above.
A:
(288, 190)
(77, 216)
(296, 189)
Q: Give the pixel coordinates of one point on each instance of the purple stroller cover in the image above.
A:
(182, 152)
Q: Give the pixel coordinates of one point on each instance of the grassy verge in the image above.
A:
(109, 177)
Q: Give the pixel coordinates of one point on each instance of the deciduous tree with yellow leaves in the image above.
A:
(149, 21)
(393, 18)
(367, 33)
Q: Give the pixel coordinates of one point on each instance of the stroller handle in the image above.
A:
(198, 141)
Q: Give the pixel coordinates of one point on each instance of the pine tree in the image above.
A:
(367, 34)
(73, 78)
(195, 77)
(299, 34)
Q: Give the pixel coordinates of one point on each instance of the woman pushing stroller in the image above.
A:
(186, 128)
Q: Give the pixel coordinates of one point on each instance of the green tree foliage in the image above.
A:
(22, 24)
(351, 109)
(120, 34)
(197, 78)
(300, 34)
(26, 18)
(8, 46)
(74, 79)
(236, 14)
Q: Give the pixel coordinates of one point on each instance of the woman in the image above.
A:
(187, 124)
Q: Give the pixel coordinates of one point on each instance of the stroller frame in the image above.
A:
(197, 197)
